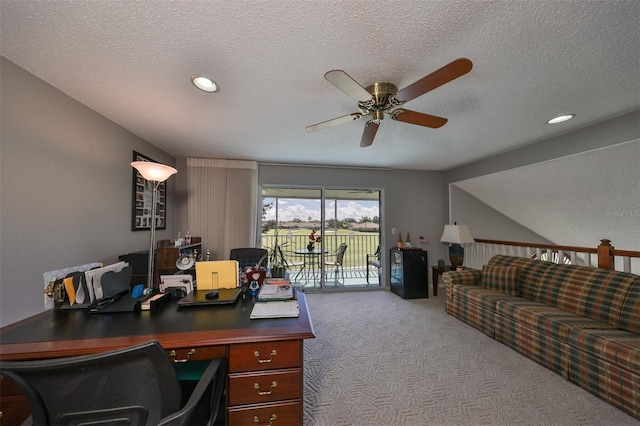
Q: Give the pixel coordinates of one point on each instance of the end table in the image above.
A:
(437, 272)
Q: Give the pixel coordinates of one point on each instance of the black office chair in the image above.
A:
(132, 386)
(248, 256)
(373, 259)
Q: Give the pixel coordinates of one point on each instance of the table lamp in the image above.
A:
(456, 235)
(155, 173)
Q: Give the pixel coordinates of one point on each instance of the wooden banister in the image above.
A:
(538, 245)
(605, 252)
(605, 255)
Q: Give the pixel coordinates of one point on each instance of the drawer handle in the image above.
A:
(173, 355)
(269, 392)
(256, 419)
(262, 361)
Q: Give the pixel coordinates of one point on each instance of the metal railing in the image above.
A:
(358, 246)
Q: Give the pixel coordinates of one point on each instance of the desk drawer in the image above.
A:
(265, 356)
(278, 414)
(14, 408)
(250, 388)
(196, 353)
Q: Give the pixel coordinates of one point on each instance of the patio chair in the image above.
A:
(373, 259)
(337, 262)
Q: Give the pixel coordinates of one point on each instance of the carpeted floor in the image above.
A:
(380, 360)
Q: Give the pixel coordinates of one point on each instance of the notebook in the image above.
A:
(197, 297)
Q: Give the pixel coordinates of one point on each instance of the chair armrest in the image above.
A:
(464, 277)
(214, 376)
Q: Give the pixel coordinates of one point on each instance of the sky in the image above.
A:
(303, 209)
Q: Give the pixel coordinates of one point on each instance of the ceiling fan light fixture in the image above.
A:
(203, 83)
(561, 118)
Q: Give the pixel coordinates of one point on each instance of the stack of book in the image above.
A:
(276, 290)
(276, 300)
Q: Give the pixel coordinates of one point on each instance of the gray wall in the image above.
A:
(610, 132)
(562, 188)
(414, 201)
(66, 185)
(485, 222)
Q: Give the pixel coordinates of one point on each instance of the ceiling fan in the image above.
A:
(384, 98)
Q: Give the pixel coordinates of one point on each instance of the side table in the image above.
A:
(437, 273)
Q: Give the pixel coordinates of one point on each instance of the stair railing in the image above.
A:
(605, 256)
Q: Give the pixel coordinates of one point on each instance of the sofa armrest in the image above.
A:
(467, 277)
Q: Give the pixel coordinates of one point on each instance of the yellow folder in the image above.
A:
(216, 274)
(71, 291)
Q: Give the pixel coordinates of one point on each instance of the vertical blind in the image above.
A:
(222, 203)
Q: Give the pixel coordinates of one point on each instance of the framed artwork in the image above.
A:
(141, 202)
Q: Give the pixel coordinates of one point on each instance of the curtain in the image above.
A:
(222, 203)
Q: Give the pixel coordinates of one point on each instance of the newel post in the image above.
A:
(605, 255)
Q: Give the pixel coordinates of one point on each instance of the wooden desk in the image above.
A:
(260, 352)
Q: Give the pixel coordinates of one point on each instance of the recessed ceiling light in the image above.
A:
(561, 118)
(204, 83)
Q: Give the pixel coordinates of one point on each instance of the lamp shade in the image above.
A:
(153, 171)
(457, 234)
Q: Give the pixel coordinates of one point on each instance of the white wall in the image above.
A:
(574, 189)
(66, 186)
(485, 222)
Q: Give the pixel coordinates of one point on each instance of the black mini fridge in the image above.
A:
(408, 273)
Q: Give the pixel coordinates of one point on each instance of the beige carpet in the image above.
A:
(381, 360)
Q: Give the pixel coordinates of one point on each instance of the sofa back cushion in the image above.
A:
(630, 317)
(596, 293)
(530, 271)
(505, 279)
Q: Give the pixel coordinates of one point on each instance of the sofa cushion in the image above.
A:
(617, 347)
(591, 292)
(548, 320)
(530, 271)
(630, 316)
(484, 297)
(504, 279)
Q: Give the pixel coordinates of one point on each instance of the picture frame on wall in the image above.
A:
(142, 199)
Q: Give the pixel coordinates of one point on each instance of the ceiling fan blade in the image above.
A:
(436, 79)
(413, 117)
(344, 82)
(370, 130)
(334, 121)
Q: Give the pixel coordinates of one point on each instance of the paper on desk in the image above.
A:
(282, 309)
(216, 274)
(93, 277)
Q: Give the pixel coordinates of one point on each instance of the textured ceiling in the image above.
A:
(131, 62)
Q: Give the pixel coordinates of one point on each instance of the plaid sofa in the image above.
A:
(582, 323)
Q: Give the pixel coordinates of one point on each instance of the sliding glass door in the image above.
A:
(330, 237)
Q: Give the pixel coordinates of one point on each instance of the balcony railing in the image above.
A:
(358, 246)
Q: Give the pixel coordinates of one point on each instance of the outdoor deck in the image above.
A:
(353, 278)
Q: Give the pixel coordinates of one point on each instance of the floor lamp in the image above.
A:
(155, 173)
(456, 235)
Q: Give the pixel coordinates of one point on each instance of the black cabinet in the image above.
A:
(408, 273)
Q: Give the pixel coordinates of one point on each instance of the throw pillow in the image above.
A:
(501, 278)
